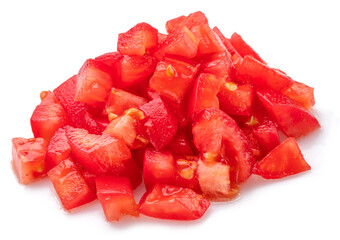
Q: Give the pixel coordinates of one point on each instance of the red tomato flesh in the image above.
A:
(193, 19)
(302, 94)
(116, 197)
(170, 202)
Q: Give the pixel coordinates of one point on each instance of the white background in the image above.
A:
(42, 43)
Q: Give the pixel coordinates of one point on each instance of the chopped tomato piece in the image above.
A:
(78, 113)
(262, 76)
(187, 173)
(138, 40)
(47, 117)
(28, 156)
(284, 160)
(169, 202)
(220, 65)
(193, 19)
(58, 149)
(236, 99)
(69, 184)
(160, 124)
(301, 93)
(111, 59)
(119, 101)
(116, 197)
(172, 78)
(181, 145)
(204, 92)
(94, 80)
(90, 179)
(293, 120)
(243, 48)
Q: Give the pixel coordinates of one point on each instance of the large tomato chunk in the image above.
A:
(301, 93)
(243, 48)
(160, 124)
(293, 120)
(193, 19)
(47, 117)
(236, 99)
(58, 149)
(169, 202)
(119, 101)
(216, 133)
(29, 158)
(133, 70)
(262, 76)
(219, 64)
(204, 92)
(116, 197)
(158, 167)
(78, 113)
(138, 40)
(94, 80)
(70, 185)
(284, 160)
(172, 78)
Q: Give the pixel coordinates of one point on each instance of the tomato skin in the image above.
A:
(284, 160)
(294, 120)
(69, 184)
(58, 149)
(237, 101)
(78, 113)
(172, 79)
(160, 124)
(243, 48)
(170, 202)
(119, 101)
(204, 93)
(47, 117)
(116, 197)
(193, 19)
(302, 94)
(28, 156)
(138, 40)
(262, 76)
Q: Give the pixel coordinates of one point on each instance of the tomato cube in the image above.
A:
(187, 175)
(194, 19)
(29, 158)
(69, 184)
(116, 197)
(181, 145)
(170, 202)
(284, 160)
(301, 93)
(220, 65)
(138, 40)
(160, 124)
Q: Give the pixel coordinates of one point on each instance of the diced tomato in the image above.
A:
(70, 185)
(134, 70)
(214, 181)
(293, 120)
(243, 48)
(262, 76)
(58, 149)
(215, 133)
(160, 124)
(119, 101)
(187, 173)
(284, 160)
(111, 59)
(94, 80)
(180, 145)
(204, 92)
(116, 197)
(193, 19)
(77, 112)
(158, 167)
(28, 156)
(181, 42)
(129, 128)
(90, 179)
(253, 142)
(236, 99)
(267, 135)
(47, 117)
(209, 42)
(138, 40)
(161, 38)
(172, 78)
(169, 202)
(219, 64)
(301, 93)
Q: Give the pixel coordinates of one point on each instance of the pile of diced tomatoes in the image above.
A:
(191, 112)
